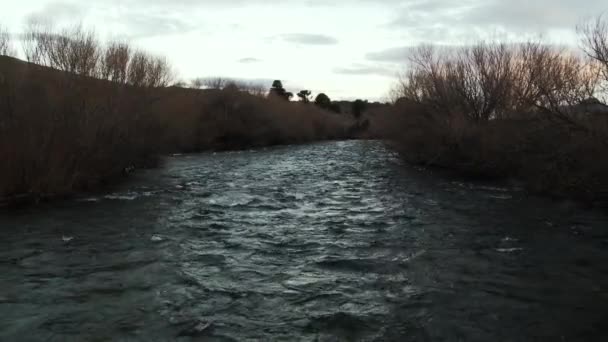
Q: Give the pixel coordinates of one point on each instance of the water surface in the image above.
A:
(335, 241)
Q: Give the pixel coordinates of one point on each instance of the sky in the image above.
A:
(345, 48)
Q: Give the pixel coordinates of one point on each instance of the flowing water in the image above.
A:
(334, 241)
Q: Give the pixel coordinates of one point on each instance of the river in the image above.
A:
(335, 241)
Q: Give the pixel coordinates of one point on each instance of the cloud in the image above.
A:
(536, 15)
(59, 11)
(248, 60)
(513, 15)
(309, 39)
(148, 25)
(365, 70)
(394, 54)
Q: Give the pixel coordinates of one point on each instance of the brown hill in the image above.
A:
(61, 133)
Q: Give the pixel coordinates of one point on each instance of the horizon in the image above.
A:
(355, 50)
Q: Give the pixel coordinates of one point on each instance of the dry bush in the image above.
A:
(145, 70)
(32, 41)
(138, 69)
(232, 118)
(69, 139)
(594, 42)
(159, 72)
(77, 51)
(74, 50)
(6, 47)
(114, 65)
(101, 110)
(81, 131)
(489, 81)
(78, 138)
(219, 83)
(498, 110)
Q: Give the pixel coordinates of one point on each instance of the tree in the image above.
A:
(304, 96)
(594, 39)
(115, 62)
(5, 43)
(358, 107)
(278, 90)
(323, 101)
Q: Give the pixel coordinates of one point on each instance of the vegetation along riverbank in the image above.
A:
(530, 111)
(77, 113)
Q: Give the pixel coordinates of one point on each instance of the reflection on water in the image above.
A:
(332, 241)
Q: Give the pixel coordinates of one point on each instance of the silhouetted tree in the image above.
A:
(278, 90)
(323, 101)
(594, 39)
(5, 43)
(304, 96)
(114, 62)
(358, 107)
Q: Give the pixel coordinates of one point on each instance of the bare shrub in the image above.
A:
(159, 73)
(213, 82)
(594, 42)
(115, 60)
(145, 70)
(33, 40)
(219, 83)
(6, 47)
(138, 69)
(74, 50)
(490, 81)
(505, 110)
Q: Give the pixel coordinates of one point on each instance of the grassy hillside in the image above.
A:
(62, 132)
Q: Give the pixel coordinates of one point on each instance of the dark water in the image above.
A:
(328, 242)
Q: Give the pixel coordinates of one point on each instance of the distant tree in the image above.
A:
(594, 39)
(6, 48)
(358, 107)
(180, 84)
(304, 96)
(232, 86)
(114, 62)
(323, 101)
(214, 82)
(278, 90)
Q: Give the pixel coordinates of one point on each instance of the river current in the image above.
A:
(335, 241)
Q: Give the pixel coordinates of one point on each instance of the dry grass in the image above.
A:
(81, 114)
(508, 111)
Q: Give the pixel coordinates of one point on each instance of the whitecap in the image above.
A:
(121, 197)
(156, 238)
(509, 250)
(88, 199)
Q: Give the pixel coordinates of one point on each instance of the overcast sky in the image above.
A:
(346, 48)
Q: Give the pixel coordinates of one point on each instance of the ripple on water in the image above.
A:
(334, 241)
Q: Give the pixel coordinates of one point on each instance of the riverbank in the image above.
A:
(62, 133)
(547, 157)
(530, 111)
